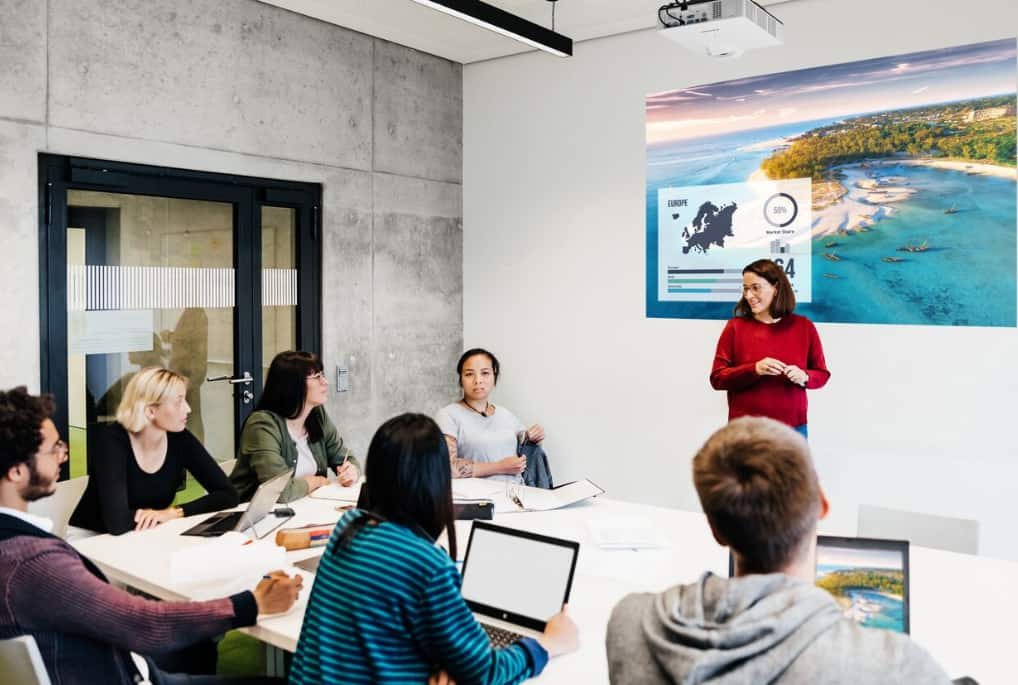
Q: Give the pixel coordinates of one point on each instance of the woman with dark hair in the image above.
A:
(482, 438)
(406, 619)
(290, 431)
(767, 356)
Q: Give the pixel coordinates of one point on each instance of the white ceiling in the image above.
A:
(414, 25)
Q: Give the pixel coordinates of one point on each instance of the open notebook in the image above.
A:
(525, 498)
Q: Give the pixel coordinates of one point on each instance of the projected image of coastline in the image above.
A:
(912, 161)
(867, 584)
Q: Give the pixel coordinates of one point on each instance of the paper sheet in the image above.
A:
(625, 533)
(335, 491)
(230, 556)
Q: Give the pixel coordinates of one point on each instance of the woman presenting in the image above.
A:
(482, 438)
(767, 357)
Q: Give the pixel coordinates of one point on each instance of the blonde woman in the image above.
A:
(139, 462)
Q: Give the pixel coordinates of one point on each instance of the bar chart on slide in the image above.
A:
(708, 234)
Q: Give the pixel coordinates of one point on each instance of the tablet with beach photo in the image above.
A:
(910, 166)
(868, 578)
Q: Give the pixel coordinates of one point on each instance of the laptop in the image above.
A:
(258, 508)
(866, 576)
(515, 580)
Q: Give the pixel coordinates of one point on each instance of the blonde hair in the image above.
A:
(148, 386)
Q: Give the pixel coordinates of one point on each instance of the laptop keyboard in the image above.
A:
(225, 524)
(499, 637)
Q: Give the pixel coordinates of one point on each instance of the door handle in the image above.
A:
(245, 379)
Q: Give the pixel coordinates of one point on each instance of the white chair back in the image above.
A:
(59, 506)
(20, 662)
(227, 466)
(925, 530)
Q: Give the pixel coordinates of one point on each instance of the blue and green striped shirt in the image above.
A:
(387, 609)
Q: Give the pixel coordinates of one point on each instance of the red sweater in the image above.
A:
(743, 343)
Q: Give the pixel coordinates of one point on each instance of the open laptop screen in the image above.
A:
(868, 578)
(517, 576)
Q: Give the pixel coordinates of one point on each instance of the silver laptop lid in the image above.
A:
(517, 576)
(263, 501)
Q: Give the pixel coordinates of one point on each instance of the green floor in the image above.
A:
(239, 654)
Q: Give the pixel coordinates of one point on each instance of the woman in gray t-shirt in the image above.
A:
(483, 438)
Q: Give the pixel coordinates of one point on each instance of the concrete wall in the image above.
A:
(238, 87)
(914, 418)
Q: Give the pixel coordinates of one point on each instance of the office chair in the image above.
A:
(59, 506)
(925, 530)
(20, 662)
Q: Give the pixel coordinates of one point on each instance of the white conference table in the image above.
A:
(961, 606)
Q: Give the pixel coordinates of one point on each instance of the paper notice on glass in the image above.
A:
(108, 332)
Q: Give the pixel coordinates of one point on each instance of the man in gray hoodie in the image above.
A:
(770, 624)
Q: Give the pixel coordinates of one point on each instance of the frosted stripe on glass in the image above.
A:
(98, 287)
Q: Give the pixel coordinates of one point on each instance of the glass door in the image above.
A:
(155, 267)
(150, 282)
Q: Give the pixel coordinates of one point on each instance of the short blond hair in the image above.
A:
(148, 386)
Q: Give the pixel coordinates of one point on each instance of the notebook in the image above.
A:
(261, 504)
(524, 498)
(515, 580)
(625, 533)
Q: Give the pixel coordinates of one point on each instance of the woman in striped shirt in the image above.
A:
(386, 604)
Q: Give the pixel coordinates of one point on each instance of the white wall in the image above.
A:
(917, 418)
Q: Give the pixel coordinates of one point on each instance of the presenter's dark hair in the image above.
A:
(408, 480)
(286, 388)
(473, 352)
(758, 488)
(21, 417)
(784, 298)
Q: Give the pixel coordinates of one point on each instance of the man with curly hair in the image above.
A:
(87, 630)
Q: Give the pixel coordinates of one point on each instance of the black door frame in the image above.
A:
(60, 173)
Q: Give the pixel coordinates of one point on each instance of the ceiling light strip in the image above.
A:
(494, 19)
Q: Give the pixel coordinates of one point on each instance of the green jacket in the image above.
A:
(266, 450)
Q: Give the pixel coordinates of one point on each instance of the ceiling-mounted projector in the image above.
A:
(720, 28)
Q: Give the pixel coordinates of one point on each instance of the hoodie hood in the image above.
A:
(724, 631)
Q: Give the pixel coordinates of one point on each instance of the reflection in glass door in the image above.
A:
(279, 282)
(150, 283)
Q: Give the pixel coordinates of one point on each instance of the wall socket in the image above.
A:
(342, 379)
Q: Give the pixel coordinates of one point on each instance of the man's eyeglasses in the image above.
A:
(320, 376)
(59, 447)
